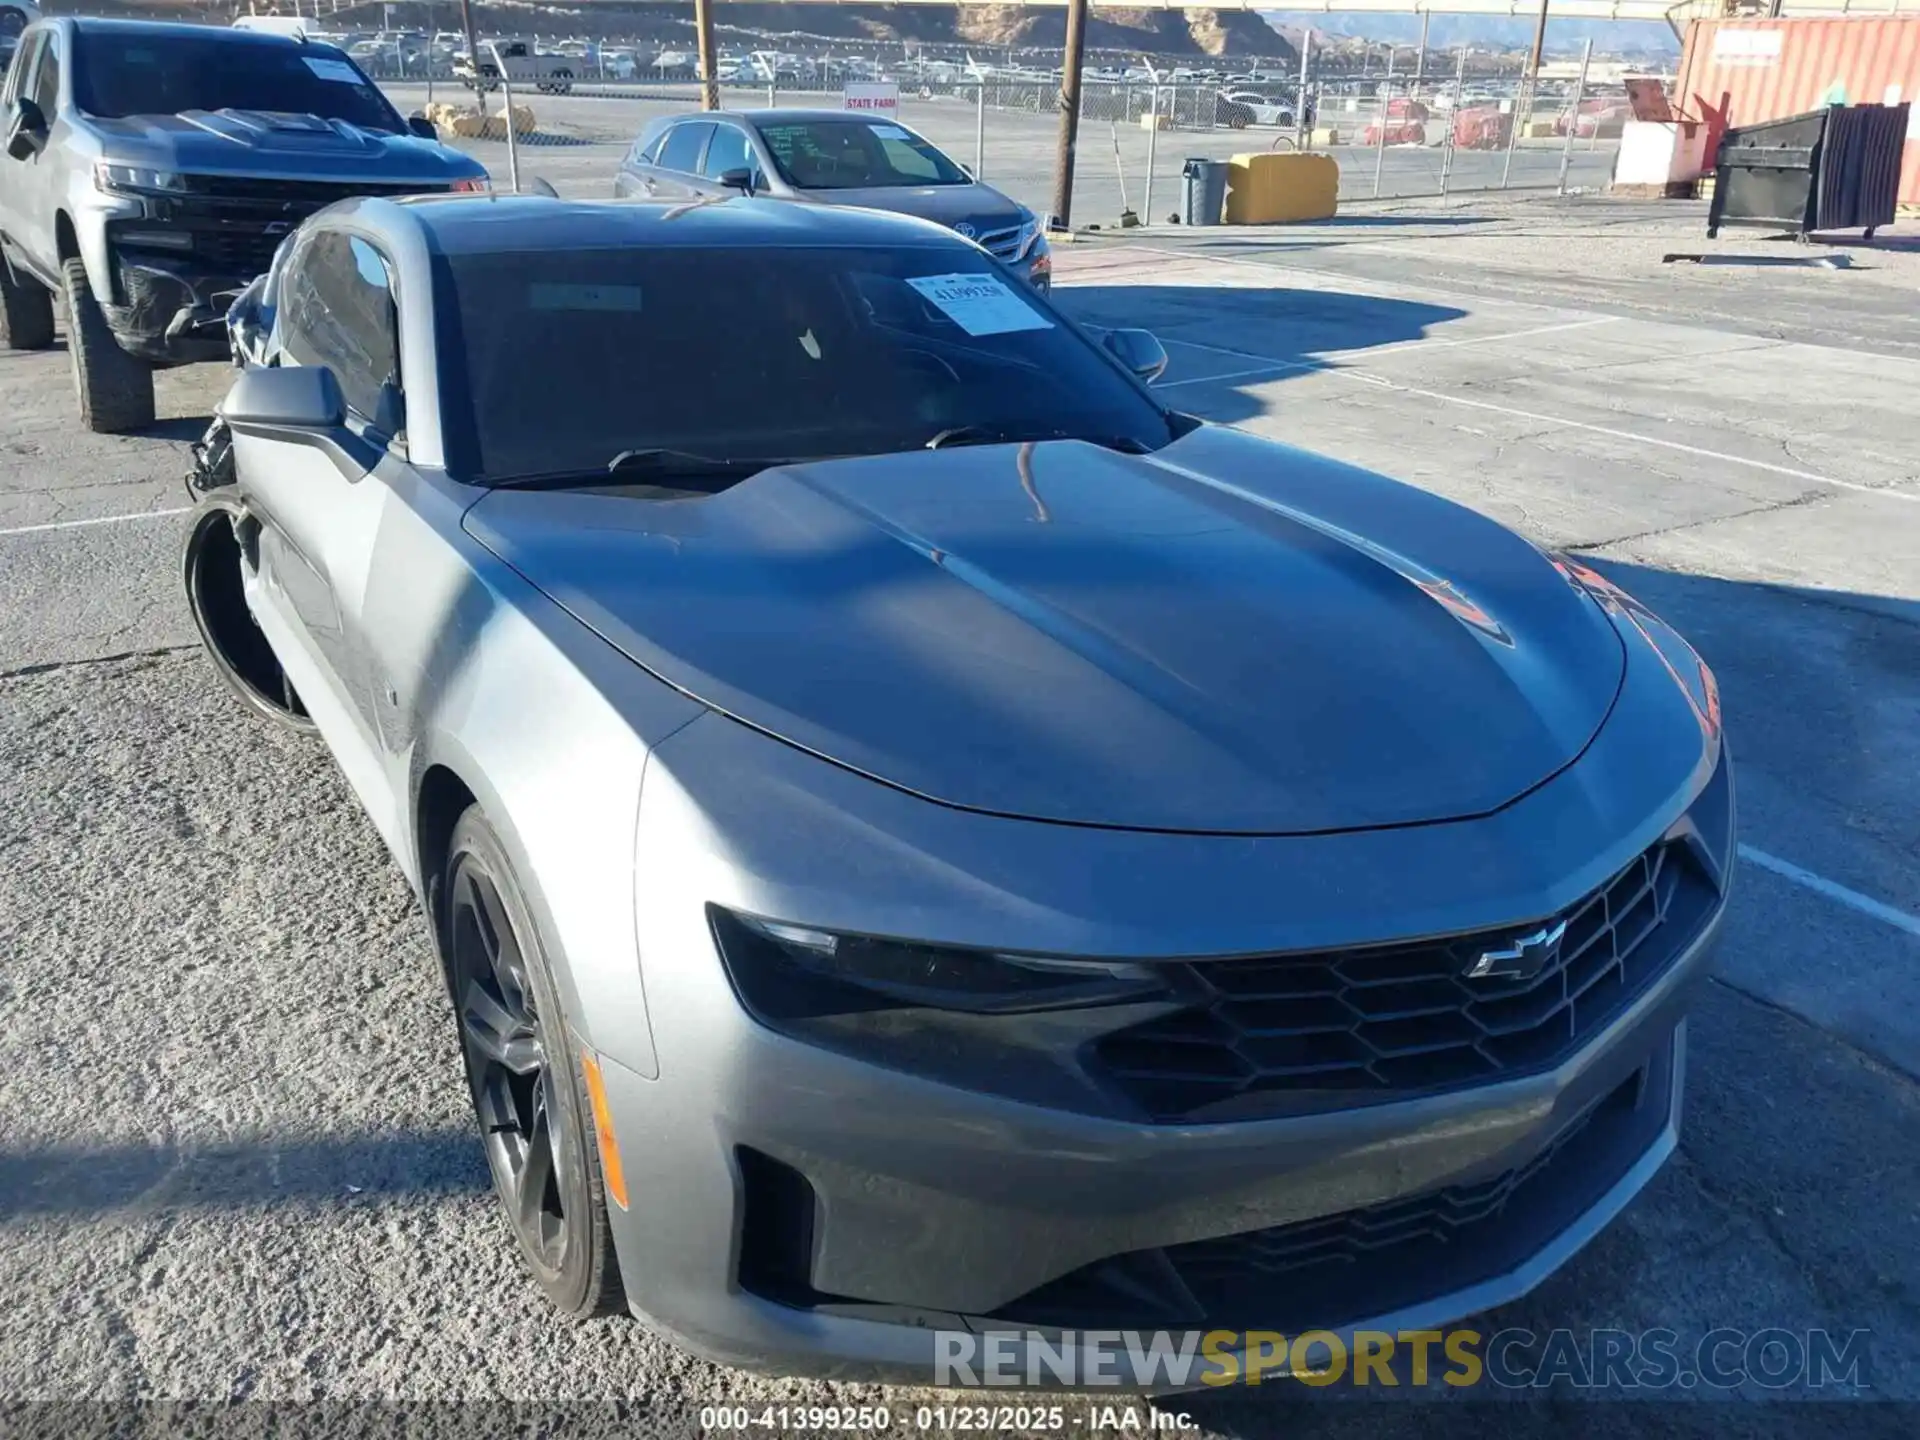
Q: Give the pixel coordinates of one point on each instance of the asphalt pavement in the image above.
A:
(236, 1161)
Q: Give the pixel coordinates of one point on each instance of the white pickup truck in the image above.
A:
(525, 65)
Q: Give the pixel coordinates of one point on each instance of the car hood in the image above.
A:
(1226, 636)
(980, 206)
(253, 141)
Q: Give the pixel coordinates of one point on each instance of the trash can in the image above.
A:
(1204, 196)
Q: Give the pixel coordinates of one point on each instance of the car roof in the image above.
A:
(100, 25)
(765, 116)
(480, 224)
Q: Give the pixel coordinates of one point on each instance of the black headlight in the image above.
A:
(1013, 1025)
(788, 971)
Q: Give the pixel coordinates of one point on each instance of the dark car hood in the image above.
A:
(1196, 640)
(980, 206)
(253, 141)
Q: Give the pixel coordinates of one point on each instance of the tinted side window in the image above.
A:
(727, 151)
(337, 310)
(46, 84)
(22, 67)
(683, 147)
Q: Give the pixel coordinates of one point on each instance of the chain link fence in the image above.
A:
(1425, 136)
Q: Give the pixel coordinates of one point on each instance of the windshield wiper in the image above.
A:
(654, 463)
(957, 435)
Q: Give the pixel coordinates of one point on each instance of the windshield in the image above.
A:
(121, 74)
(854, 154)
(575, 356)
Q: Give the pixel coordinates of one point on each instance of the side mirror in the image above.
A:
(423, 128)
(965, 168)
(26, 129)
(1139, 350)
(300, 397)
(740, 179)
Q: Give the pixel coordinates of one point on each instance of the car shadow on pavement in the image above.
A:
(264, 1170)
(177, 427)
(1228, 330)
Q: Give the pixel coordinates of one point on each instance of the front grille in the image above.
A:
(1002, 244)
(1378, 1259)
(305, 195)
(1389, 1021)
(1440, 1217)
(242, 253)
(238, 221)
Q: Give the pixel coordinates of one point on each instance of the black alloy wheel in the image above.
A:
(526, 1088)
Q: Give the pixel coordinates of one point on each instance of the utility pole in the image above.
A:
(473, 59)
(1069, 113)
(709, 82)
(1420, 58)
(1539, 41)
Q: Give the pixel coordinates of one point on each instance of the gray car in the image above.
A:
(148, 171)
(922, 838)
(831, 157)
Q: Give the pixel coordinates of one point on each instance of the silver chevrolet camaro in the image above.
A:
(922, 837)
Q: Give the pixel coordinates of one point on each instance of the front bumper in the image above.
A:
(170, 310)
(826, 1216)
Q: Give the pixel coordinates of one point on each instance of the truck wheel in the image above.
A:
(563, 82)
(115, 388)
(26, 311)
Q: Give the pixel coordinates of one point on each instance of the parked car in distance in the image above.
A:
(920, 835)
(149, 172)
(525, 64)
(831, 157)
(1237, 109)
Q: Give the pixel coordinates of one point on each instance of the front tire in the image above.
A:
(26, 311)
(523, 1070)
(115, 388)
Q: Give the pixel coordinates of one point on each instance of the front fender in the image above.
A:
(549, 728)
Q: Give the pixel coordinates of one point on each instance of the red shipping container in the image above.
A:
(1741, 72)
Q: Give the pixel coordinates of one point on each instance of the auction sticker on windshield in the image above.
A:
(337, 71)
(979, 304)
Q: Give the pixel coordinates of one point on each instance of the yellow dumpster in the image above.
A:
(1267, 189)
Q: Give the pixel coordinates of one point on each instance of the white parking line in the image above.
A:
(1363, 377)
(97, 520)
(1833, 890)
(1272, 372)
(1380, 287)
(1425, 344)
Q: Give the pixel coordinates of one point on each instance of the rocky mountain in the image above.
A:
(1624, 38)
(1177, 33)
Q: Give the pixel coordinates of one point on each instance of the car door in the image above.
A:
(13, 172)
(42, 176)
(26, 184)
(635, 175)
(728, 149)
(675, 172)
(320, 512)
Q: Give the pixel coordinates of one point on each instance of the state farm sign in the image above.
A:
(878, 97)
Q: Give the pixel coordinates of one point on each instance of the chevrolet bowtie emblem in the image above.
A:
(1525, 958)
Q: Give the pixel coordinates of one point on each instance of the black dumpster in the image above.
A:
(1204, 199)
(1831, 169)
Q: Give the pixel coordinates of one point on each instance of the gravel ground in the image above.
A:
(236, 1163)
